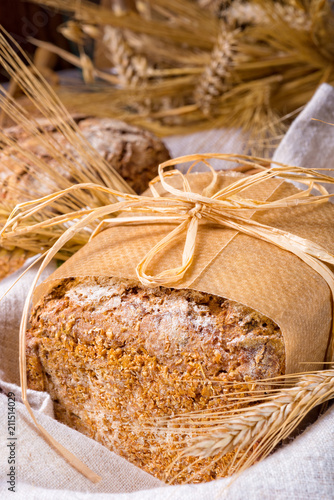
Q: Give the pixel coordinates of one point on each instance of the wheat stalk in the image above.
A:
(48, 104)
(217, 7)
(194, 26)
(242, 13)
(256, 430)
(295, 17)
(86, 165)
(11, 261)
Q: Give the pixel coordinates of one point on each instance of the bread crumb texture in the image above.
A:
(115, 356)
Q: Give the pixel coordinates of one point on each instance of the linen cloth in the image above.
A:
(310, 143)
(300, 470)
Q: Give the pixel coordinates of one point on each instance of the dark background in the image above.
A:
(23, 19)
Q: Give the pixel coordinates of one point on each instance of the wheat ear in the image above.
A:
(214, 79)
(131, 68)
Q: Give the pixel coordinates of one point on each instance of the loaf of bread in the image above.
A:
(114, 355)
(135, 153)
(12, 260)
(120, 358)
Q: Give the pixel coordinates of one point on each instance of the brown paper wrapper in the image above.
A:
(233, 265)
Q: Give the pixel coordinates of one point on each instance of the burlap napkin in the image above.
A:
(302, 469)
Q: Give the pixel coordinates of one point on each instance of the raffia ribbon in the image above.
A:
(187, 210)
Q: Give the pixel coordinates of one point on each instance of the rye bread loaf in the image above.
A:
(114, 354)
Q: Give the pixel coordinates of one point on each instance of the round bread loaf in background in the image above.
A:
(133, 152)
(114, 355)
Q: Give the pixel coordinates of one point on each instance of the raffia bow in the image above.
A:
(226, 208)
(186, 210)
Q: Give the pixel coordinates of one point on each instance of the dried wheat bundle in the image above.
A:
(12, 260)
(177, 68)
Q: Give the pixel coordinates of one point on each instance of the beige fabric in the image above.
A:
(10, 309)
(301, 470)
(211, 141)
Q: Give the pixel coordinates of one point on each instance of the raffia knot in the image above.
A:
(196, 211)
